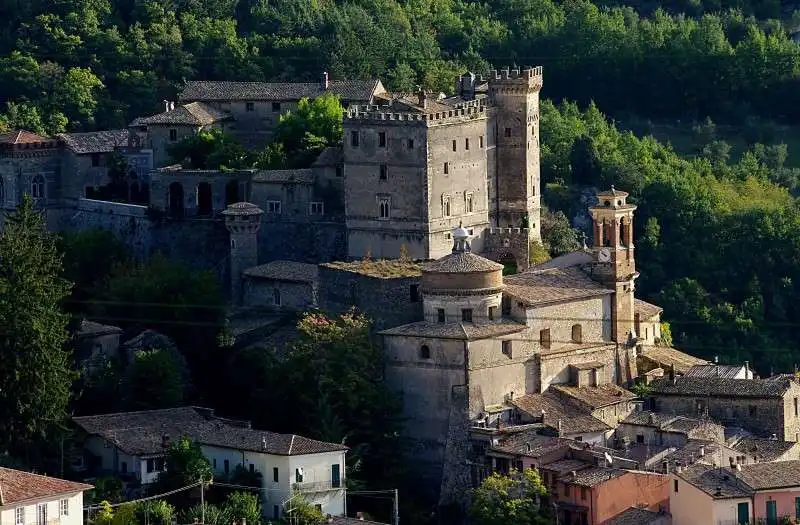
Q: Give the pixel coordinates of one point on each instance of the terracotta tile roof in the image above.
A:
(95, 141)
(595, 397)
(192, 114)
(635, 516)
(299, 176)
(764, 449)
(242, 209)
(766, 476)
(721, 387)
(141, 433)
(567, 260)
(379, 268)
(562, 466)
(726, 371)
(719, 483)
(461, 262)
(591, 477)
(345, 520)
(666, 357)
(461, 331)
(646, 310)
(665, 422)
(17, 486)
(573, 420)
(529, 444)
(289, 271)
(348, 90)
(21, 137)
(690, 452)
(330, 156)
(92, 329)
(552, 286)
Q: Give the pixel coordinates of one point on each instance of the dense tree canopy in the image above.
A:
(509, 500)
(35, 364)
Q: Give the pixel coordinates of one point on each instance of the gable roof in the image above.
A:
(142, 433)
(21, 136)
(590, 477)
(572, 419)
(92, 329)
(721, 387)
(529, 443)
(287, 271)
(461, 331)
(667, 357)
(665, 422)
(553, 285)
(594, 397)
(220, 91)
(567, 260)
(330, 156)
(17, 486)
(719, 483)
(765, 476)
(646, 310)
(95, 141)
(712, 370)
(635, 516)
(191, 114)
(765, 449)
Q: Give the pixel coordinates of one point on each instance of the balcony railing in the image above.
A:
(318, 486)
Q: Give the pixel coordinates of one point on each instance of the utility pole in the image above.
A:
(396, 509)
(202, 501)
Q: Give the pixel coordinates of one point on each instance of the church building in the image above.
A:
(488, 342)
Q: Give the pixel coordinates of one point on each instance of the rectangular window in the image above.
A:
(507, 348)
(336, 476)
(753, 410)
(151, 465)
(19, 516)
(772, 512)
(640, 438)
(252, 468)
(508, 132)
(95, 160)
(226, 466)
(797, 508)
(675, 486)
(173, 135)
(410, 143)
(274, 207)
(455, 146)
(298, 475)
(41, 514)
(275, 474)
(381, 139)
(276, 106)
(544, 338)
(492, 312)
(275, 512)
(354, 139)
(384, 174)
(466, 315)
(215, 464)
(124, 467)
(339, 171)
(249, 107)
(315, 208)
(446, 168)
(468, 202)
(63, 507)
(480, 141)
(440, 315)
(414, 292)
(446, 207)
(384, 207)
(743, 513)
(795, 407)
(466, 144)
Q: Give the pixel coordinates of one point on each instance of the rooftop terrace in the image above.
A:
(379, 268)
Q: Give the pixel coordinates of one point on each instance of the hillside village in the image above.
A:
(424, 221)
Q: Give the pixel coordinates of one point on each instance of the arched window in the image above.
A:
(577, 333)
(204, 199)
(176, 199)
(37, 187)
(231, 192)
(276, 297)
(424, 352)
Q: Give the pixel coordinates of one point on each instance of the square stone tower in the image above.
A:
(515, 192)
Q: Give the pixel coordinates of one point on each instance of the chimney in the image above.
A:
(672, 375)
(164, 441)
(166, 105)
(702, 450)
(171, 106)
(559, 428)
(325, 83)
(423, 98)
(264, 442)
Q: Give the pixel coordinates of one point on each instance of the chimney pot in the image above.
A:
(325, 81)
(423, 98)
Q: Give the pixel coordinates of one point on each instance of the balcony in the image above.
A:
(317, 486)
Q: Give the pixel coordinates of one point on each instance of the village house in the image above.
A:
(767, 493)
(134, 445)
(762, 406)
(33, 499)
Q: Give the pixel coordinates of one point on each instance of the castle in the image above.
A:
(411, 168)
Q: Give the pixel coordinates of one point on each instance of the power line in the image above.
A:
(158, 496)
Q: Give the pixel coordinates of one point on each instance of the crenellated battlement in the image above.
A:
(508, 231)
(380, 113)
(516, 80)
(528, 73)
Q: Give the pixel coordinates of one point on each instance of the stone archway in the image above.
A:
(205, 204)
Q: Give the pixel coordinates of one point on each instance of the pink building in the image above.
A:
(763, 493)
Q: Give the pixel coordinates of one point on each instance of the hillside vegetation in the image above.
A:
(717, 226)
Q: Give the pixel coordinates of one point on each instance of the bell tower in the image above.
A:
(614, 264)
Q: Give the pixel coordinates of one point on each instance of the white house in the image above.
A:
(31, 499)
(134, 444)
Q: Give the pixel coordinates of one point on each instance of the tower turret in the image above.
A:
(243, 221)
(514, 193)
(615, 266)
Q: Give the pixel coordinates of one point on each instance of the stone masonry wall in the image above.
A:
(293, 296)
